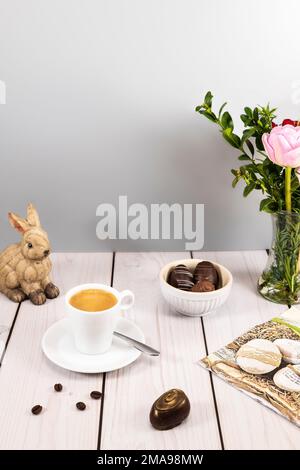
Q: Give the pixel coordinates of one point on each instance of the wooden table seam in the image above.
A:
(104, 374)
(245, 424)
(20, 389)
(212, 384)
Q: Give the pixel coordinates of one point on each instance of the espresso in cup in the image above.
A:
(93, 311)
(93, 300)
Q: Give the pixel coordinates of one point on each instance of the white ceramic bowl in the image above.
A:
(195, 304)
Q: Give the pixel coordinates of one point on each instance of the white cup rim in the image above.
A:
(92, 285)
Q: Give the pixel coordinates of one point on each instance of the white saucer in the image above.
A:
(59, 347)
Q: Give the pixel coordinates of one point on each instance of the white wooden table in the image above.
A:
(221, 417)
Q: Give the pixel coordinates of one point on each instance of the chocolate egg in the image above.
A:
(203, 286)
(206, 270)
(170, 409)
(258, 356)
(181, 277)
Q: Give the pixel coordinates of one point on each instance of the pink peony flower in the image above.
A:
(282, 145)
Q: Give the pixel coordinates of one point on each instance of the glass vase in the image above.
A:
(280, 280)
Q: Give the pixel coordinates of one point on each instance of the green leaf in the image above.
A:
(294, 184)
(248, 111)
(264, 203)
(245, 119)
(247, 134)
(235, 181)
(244, 157)
(198, 108)
(226, 121)
(267, 162)
(259, 143)
(248, 189)
(250, 147)
(221, 109)
(267, 205)
(208, 99)
(231, 138)
(209, 115)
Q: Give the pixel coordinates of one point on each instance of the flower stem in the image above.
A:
(288, 196)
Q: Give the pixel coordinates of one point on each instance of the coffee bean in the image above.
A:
(58, 387)
(96, 395)
(36, 409)
(81, 406)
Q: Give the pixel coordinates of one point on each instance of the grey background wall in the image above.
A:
(100, 102)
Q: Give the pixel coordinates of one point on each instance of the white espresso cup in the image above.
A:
(93, 331)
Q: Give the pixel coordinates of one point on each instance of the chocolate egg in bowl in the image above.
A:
(195, 287)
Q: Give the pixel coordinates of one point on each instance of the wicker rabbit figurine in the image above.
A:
(25, 266)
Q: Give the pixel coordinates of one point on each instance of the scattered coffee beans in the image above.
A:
(36, 409)
(96, 395)
(58, 387)
(81, 406)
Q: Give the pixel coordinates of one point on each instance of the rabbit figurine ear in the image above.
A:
(32, 216)
(18, 223)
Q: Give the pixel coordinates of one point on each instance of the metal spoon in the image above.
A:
(144, 348)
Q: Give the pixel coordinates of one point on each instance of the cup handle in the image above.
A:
(126, 299)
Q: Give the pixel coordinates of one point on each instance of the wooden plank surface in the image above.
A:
(27, 377)
(8, 311)
(245, 424)
(129, 393)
